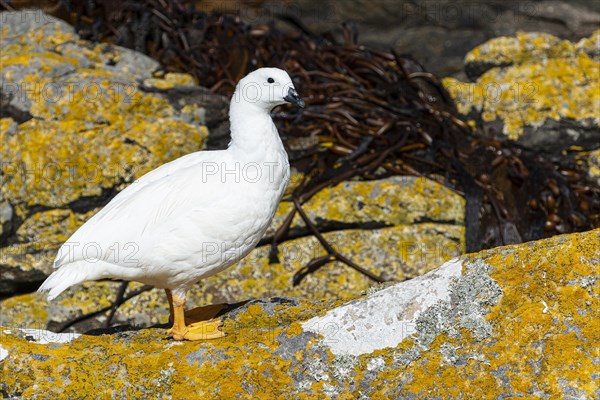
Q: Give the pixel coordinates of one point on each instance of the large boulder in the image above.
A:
(516, 321)
(534, 88)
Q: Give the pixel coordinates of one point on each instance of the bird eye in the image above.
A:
(270, 80)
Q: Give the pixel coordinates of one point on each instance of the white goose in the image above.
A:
(194, 216)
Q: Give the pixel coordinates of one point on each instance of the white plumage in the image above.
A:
(194, 216)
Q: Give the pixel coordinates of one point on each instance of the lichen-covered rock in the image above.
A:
(398, 200)
(516, 321)
(78, 128)
(534, 88)
(524, 48)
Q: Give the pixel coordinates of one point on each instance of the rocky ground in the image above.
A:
(516, 321)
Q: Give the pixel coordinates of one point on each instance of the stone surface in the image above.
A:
(534, 88)
(516, 321)
(354, 321)
(76, 128)
(398, 200)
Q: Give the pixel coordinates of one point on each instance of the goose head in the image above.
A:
(267, 88)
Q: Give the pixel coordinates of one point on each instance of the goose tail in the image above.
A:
(63, 278)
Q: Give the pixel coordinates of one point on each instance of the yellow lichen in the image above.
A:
(543, 345)
(399, 253)
(523, 47)
(547, 79)
(395, 201)
(170, 80)
(48, 58)
(26, 311)
(46, 35)
(48, 167)
(544, 327)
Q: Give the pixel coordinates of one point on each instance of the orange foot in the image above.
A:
(203, 330)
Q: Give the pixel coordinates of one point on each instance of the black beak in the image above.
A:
(292, 97)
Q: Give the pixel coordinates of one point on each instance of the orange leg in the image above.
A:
(170, 298)
(202, 330)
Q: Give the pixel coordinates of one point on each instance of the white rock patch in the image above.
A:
(384, 318)
(43, 336)
(3, 353)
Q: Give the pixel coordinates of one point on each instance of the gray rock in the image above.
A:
(426, 306)
(489, 325)
(135, 63)
(21, 22)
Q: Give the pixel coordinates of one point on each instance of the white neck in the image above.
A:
(252, 128)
